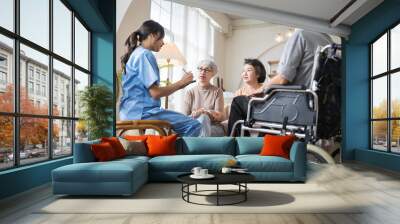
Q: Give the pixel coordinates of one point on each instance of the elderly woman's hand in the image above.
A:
(197, 113)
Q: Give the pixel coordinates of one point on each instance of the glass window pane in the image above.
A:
(62, 138)
(6, 74)
(81, 81)
(395, 94)
(395, 136)
(7, 14)
(6, 142)
(35, 21)
(62, 89)
(81, 131)
(81, 45)
(379, 55)
(62, 29)
(34, 72)
(395, 47)
(379, 98)
(379, 135)
(33, 139)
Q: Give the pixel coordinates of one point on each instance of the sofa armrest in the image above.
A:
(299, 159)
(83, 152)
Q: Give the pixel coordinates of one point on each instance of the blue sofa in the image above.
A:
(125, 176)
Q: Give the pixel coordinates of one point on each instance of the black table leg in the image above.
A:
(245, 193)
(217, 194)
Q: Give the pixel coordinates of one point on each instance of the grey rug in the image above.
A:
(166, 198)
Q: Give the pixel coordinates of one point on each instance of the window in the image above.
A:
(41, 84)
(30, 72)
(44, 91)
(34, 21)
(38, 89)
(385, 96)
(3, 78)
(7, 14)
(193, 35)
(81, 45)
(30, 87)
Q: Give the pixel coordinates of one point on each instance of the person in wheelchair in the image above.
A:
(141, 91)
(205, 102)
(295, 68)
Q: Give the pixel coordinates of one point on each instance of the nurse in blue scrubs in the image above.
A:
(141, 82)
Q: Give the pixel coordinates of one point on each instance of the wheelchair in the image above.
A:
(310, 113)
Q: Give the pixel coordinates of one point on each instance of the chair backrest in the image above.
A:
(327, 86)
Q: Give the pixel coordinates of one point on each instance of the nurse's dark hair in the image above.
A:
(258, 66)
(148, 27)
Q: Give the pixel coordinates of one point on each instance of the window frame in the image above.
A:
(388, 74)
(16, 113)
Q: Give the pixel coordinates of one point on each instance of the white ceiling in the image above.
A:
(308, 14)
(321, 9)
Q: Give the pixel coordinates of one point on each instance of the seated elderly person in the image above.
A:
(205, 101)
(253, 77)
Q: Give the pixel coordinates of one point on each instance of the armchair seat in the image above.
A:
(162, 127)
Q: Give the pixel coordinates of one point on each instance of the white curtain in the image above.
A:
(194, 36)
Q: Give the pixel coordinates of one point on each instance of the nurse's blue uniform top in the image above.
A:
(141, 72)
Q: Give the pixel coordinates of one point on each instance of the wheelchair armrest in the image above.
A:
(289, 87)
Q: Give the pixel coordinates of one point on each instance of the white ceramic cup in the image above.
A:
(196, 170)
(203, 172)
(226, 170)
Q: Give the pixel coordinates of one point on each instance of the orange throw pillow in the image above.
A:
(136, 137)
(275, 145)
(103, 152)
(161, 145)
(116, 145)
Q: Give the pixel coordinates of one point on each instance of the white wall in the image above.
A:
(249, 42)
(137, 12)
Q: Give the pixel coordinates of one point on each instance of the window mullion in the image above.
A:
(50, 81)
(73, 81)
(389, 105)
(16, 70)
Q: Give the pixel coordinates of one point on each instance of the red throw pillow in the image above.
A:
(276, 145)
(103, 152)
(116, 145)
(161, 145)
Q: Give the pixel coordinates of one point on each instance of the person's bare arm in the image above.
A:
(157, 91)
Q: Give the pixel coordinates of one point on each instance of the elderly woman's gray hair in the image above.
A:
(209, 64)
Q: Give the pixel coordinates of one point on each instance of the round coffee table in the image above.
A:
(238, 179)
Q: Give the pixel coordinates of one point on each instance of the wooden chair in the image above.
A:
(162, 127)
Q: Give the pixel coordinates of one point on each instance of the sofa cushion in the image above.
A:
(116, 145)
(103, 152)
(257, 163)
(112, 171)
(136, 147)
(161, 145)
(185, 163)
(206, 145)
(249, 145)
(277, 145)
(83, 152)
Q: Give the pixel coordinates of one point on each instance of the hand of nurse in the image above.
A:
(186, 79)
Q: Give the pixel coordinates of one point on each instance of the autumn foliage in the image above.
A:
(380, 127)
(33, 131)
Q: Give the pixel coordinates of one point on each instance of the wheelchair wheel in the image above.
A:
(316, 154)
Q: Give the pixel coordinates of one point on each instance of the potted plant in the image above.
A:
(96, 103)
